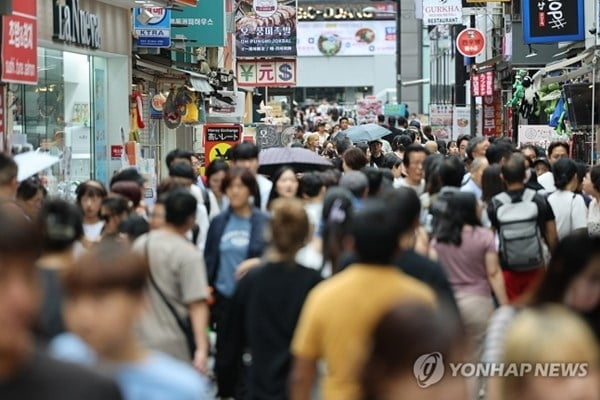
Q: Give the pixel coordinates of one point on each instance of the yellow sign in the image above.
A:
(218, 151)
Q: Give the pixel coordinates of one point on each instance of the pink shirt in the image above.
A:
(465, 265)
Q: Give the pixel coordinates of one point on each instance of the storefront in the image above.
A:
(80, 102)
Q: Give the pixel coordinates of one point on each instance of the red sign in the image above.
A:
(470, 42)
(492, 115)
(116, 151)
(19, 44)
(482, 84)
(1, 118)
(219, 138)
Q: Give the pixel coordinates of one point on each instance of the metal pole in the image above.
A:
(398, 53)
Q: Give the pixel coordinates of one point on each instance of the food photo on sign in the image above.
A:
(265, 28)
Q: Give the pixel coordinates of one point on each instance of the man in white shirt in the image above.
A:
(473, 185)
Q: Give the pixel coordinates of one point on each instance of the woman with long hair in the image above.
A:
(468, 253)
(591, 186)
(266, 306)
(337, 216)
(215, 173)
(285, 184)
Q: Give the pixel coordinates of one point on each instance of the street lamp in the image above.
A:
(398, 14)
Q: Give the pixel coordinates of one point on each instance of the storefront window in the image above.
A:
(60, 115)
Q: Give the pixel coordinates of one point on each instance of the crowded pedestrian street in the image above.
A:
(299, 200)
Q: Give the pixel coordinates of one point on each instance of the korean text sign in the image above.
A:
(19, 43)
(552, 21)
(265, 28)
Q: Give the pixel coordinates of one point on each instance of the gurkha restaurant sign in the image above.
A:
(552, 21)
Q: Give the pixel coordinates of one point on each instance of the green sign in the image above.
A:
(205, 24)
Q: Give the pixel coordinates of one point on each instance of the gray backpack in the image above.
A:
(520, 236)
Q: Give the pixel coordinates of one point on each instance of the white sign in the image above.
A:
(440, 118)
(347, 38)
(442, 12)
(541, 135)
(461, 121)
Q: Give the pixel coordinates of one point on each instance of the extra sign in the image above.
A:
(470, 42)
(19, 44)
(266, 73)
(152, 27)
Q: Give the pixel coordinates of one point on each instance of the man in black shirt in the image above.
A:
(375, 147)
(24, 372)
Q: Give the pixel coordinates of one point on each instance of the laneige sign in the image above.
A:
(73, 25)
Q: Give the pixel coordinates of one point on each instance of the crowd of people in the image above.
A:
(325, 284)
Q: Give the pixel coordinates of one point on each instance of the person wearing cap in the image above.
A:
(375, 147)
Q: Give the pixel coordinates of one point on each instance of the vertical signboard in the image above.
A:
(440, 116)
(19, 43)
(482, 84)
(461, 121)
(265, 28)
(492, 115)
(204, 23)
(152, 26)
(2, 136)
(552, 21)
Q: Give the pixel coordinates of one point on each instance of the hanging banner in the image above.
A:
(492, 115)
(280, 73)
(482, 84)
(219, 138)
(461, 121)
(440, 116)
(347, 38)
(265, 28)
(19, 44)
(204, 23)
(152, 27)
(442, 12)
(552, 21)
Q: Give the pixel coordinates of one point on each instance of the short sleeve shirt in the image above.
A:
(178, 269)
(570, 211)
(545, 212)
(233, 249)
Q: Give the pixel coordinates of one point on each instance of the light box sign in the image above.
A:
(152, 26)
(19, 44)
(552, 21)
(205, 24)
(274, 72)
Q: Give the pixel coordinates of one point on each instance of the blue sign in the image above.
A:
(152, 27)
(552, 21)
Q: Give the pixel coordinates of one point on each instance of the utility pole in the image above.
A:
(399, 52)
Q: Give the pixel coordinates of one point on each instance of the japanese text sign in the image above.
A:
(219, 138)
(482, 84)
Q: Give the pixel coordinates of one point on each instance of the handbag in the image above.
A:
(185, 324)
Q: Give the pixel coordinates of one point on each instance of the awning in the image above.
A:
(199, 82)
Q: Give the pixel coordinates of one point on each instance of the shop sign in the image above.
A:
(394, 110)
(442, 12)
(73, 25)
(19, 44)
(152, 27)
(470, 42)
(440, 116)
(552, 21)
(482, 84)
(265, 28)
(266, 73)
(204, 23)
(346, 13)
(492, 115)
(541, 135)
(1, 118)
(461, 121)
(116, 152)
(488, 1)
(219, 138)
(346, 38)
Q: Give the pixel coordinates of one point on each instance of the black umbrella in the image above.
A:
(301, 160)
